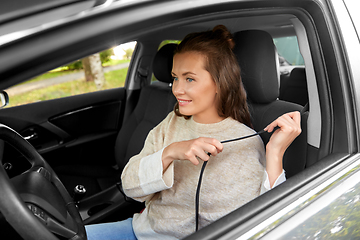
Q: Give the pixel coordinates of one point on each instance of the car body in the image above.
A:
(318, 202)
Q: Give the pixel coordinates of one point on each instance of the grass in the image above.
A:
(113, 62)
(61, 71)
(51, 74)
(113, 79)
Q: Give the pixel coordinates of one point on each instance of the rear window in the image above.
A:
(289, 52)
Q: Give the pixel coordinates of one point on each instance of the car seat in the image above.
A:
(155, 102)
(293, 87)
(256, 54)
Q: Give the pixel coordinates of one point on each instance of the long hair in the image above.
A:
(216, 46)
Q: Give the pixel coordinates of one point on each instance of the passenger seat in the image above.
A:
(155, 102)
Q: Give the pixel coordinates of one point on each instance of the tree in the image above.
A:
(105, 56)
(93, 70)
(128, 53)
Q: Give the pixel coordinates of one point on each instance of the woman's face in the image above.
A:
(194, 88)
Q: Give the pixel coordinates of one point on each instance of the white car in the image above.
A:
(70, 140)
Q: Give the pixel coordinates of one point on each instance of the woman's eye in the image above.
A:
(174, 78)
(190, 79)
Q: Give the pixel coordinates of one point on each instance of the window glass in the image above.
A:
(288, 50)
(77, 77)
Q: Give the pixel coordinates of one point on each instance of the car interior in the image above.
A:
(88, 139)
(254, 47)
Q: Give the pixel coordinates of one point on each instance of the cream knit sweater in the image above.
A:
(231, 179)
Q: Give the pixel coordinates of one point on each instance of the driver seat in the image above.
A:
(257, 57)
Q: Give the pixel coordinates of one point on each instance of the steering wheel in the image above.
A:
(36, 203)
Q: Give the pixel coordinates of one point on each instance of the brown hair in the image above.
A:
(216, 45)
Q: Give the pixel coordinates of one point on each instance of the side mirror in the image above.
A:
(4, 99)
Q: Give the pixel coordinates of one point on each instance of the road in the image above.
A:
(27, 87)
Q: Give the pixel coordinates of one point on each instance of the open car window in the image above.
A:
(100, 71)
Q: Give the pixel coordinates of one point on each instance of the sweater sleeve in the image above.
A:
(143, 175)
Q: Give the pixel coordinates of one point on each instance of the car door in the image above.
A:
(71, 129)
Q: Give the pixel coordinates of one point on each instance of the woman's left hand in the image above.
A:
(289, 129)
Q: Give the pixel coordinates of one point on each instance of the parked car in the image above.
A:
(86, 139)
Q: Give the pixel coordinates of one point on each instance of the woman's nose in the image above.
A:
(178, 87)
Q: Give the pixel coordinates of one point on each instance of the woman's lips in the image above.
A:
(183, 102)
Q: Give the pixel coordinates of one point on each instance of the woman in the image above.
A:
(211, 107)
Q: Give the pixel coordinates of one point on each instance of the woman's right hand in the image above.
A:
(190, 150)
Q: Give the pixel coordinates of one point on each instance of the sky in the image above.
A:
(119, 50)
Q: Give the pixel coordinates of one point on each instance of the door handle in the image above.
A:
(32, 136)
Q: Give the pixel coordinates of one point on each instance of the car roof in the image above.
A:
(278, 25)
(23, 15)
(10, 10)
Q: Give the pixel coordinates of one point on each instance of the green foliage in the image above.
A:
(74, 65)
(113, 62)
(128, 53)
(105, 56)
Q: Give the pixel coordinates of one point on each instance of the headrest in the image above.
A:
(163, 61)
(255, 52)
(298, 75)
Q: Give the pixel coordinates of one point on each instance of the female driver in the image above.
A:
(211, 107)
